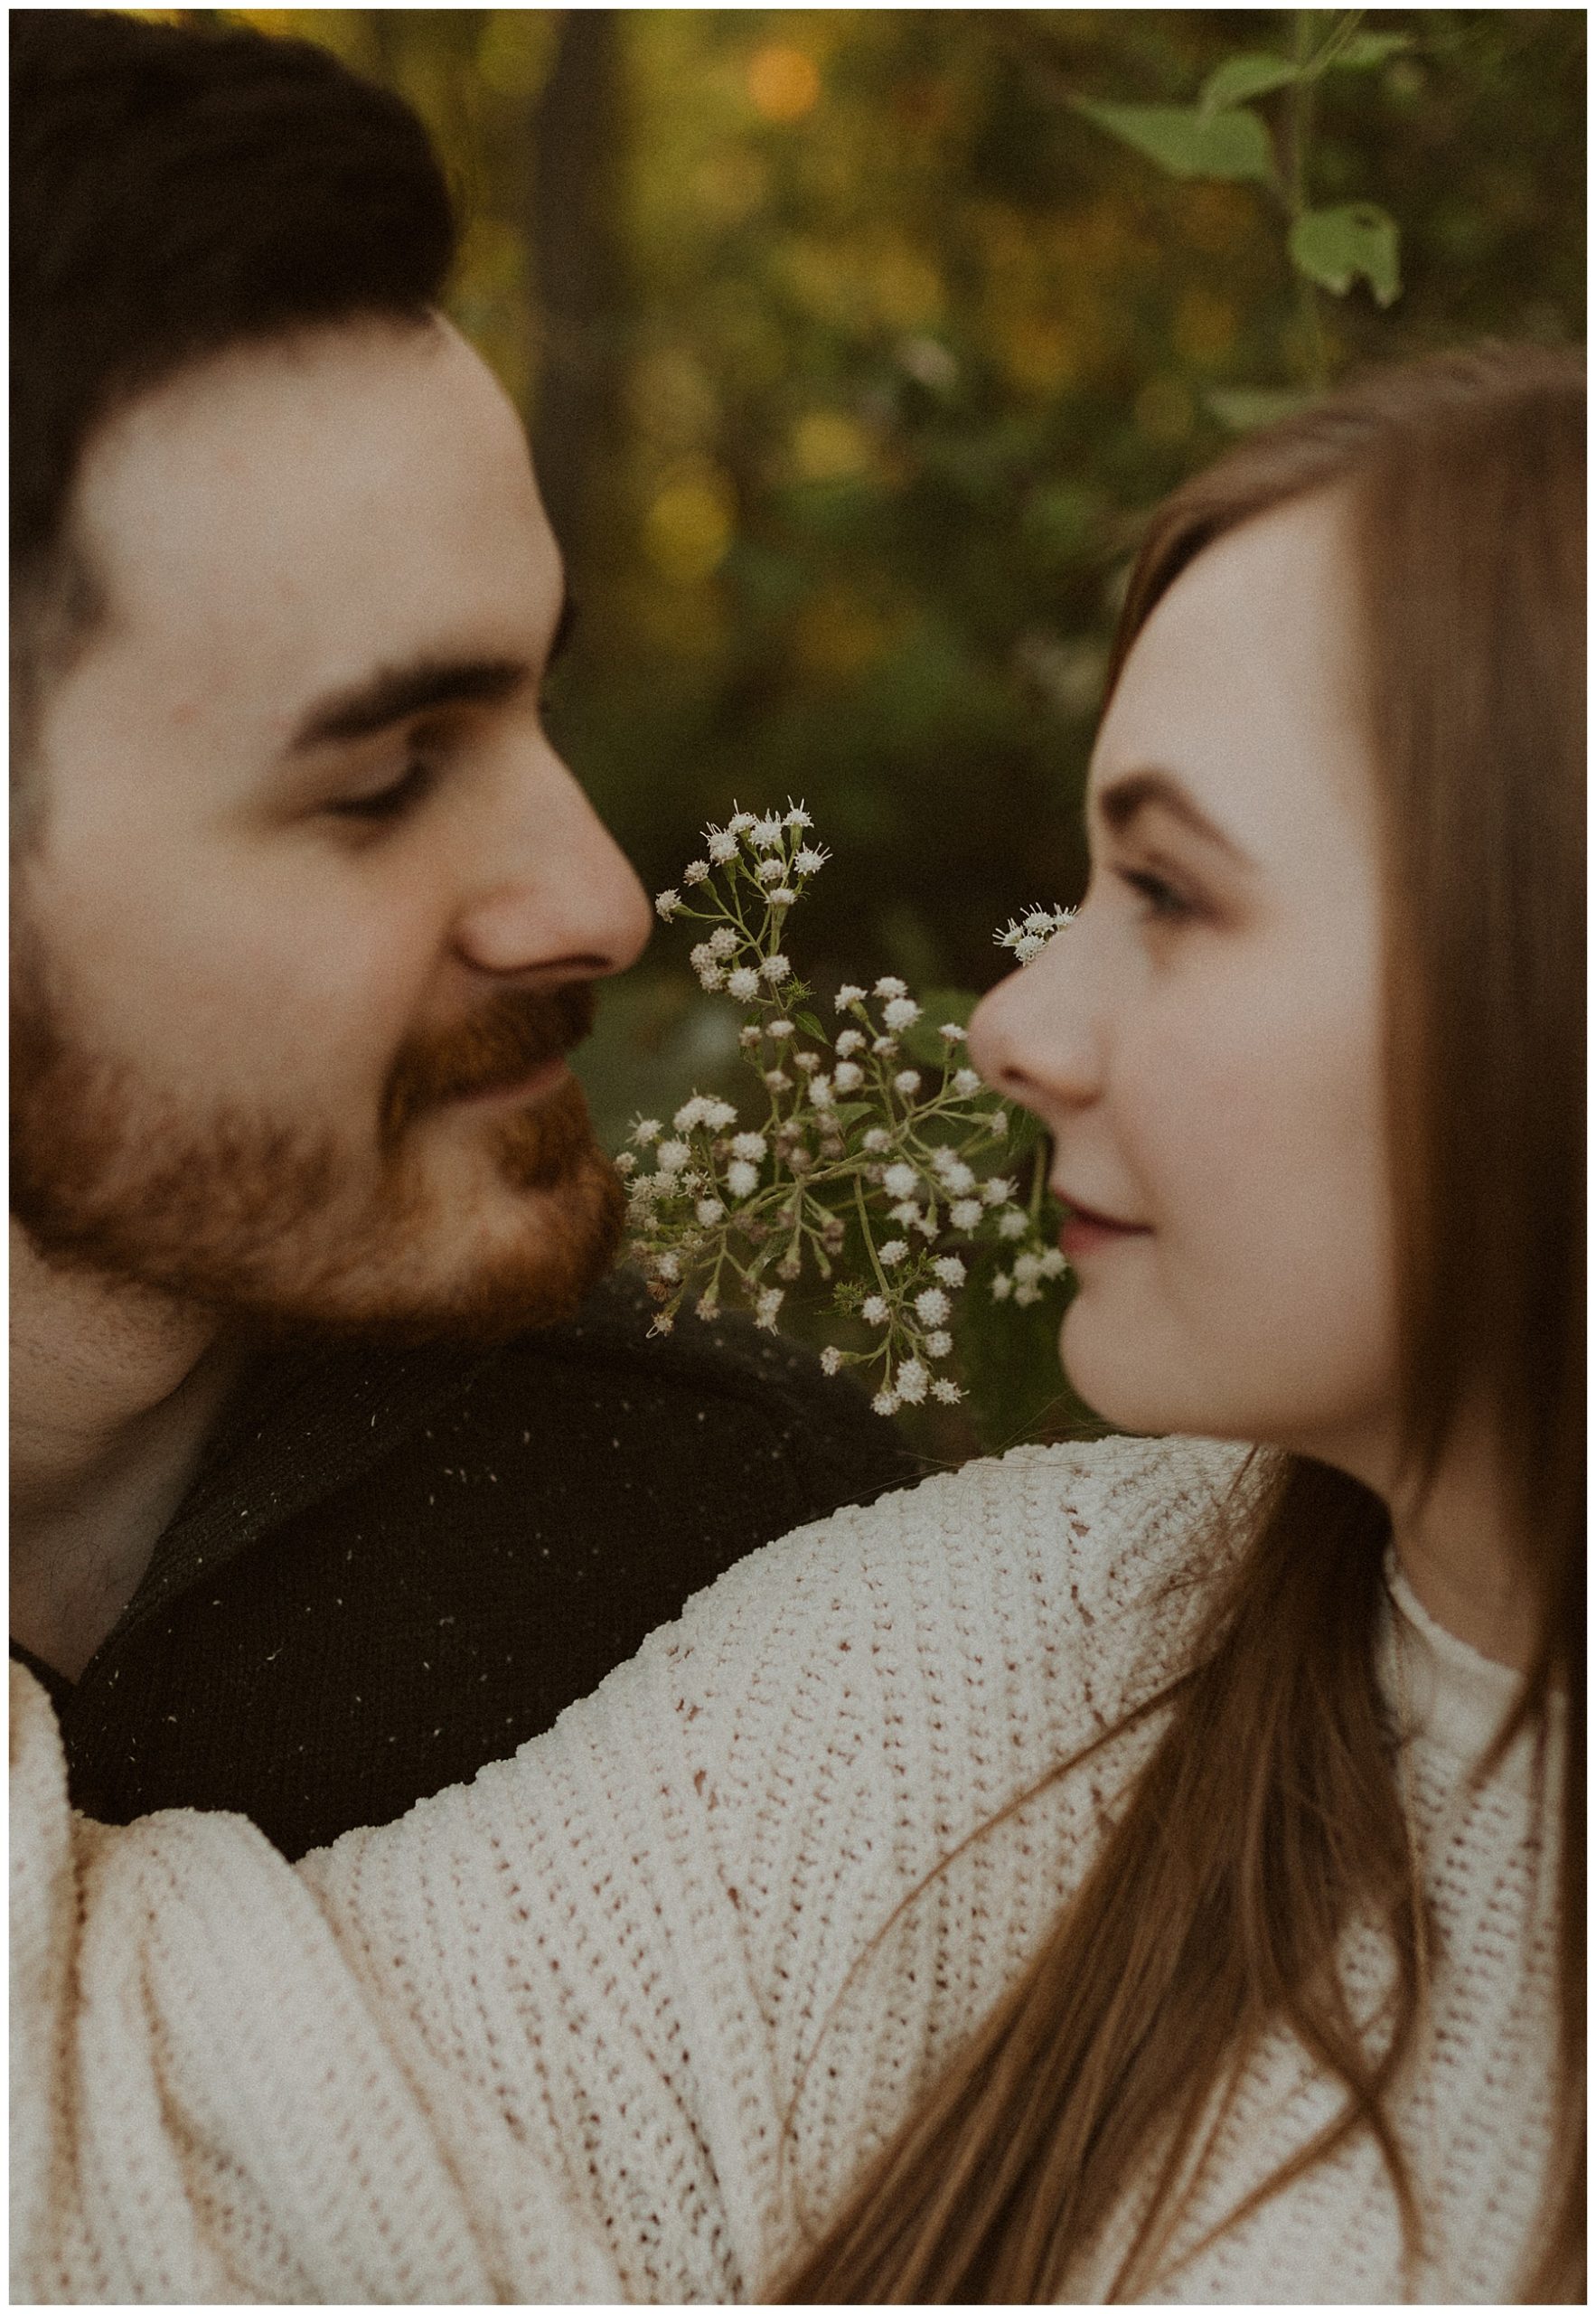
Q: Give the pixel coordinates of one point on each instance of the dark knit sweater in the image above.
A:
(394, 1565)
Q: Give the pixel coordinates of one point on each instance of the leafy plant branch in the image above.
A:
(1223, 137)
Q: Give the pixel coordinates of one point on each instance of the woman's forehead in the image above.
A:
(1245, 682)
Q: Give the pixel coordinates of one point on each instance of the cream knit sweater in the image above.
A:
(619, 2019)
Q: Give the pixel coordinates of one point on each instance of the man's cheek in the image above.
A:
(369, 973)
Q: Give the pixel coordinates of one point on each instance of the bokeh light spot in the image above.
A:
(828, 446)
(689, 525)
(783, 83)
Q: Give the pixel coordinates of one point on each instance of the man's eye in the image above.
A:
(1161, 900)
(388, 803)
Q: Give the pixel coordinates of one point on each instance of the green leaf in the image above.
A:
(807, 1020)
(1367, 48)
(921, 1042)
(1231, 144)
(1242, 407)
(1242, 77)
(1337, 247)
(954, 1004)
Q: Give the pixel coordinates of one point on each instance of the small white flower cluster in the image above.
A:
(857, 1136)
(915, 1308)
(1034, 1265)
(768, 852)
(1030, 935)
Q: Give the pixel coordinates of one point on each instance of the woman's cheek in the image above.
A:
(1188, 1113)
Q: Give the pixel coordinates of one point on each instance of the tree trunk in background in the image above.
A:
(574, 235)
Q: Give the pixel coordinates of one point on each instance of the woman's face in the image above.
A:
(1204, 1041)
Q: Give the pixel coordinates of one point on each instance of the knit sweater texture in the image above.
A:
(621, 2018)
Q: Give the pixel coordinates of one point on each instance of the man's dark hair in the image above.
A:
(175, 192)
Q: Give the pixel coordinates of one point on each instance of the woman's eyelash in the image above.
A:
(389, 803)
(1162, 900)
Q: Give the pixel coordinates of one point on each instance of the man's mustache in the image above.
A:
(515, 1033)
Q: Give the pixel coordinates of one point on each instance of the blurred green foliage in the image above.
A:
(896, 345)
(853, 343)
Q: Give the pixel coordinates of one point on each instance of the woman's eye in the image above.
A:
(388, 803)
(1161, 900)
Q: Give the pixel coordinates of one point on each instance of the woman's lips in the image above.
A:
(1086, 1232)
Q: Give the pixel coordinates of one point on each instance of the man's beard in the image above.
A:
(254, 1216)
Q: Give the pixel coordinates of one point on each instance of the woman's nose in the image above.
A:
(1034, 1038)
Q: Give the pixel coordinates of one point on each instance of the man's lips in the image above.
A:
(509, 1092)
(511, 1051)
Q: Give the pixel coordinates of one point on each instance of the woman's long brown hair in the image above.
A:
(1268, 1818)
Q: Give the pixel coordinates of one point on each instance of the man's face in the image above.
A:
(310, 908)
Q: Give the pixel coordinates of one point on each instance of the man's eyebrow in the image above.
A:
(1139, 791)
(393, 694)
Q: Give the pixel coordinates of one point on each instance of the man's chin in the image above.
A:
(539, 1274)
(252, 1231)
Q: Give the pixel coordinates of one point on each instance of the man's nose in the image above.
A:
(554, 892)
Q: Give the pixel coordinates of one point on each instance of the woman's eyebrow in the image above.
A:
(1124, 799)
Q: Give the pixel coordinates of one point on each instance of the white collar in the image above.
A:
(1458, 1698)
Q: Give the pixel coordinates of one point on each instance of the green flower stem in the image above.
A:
(1300, 121)
(1335, 39)
(864, 1219)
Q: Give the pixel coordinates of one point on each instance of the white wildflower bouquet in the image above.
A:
(873, 1159)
